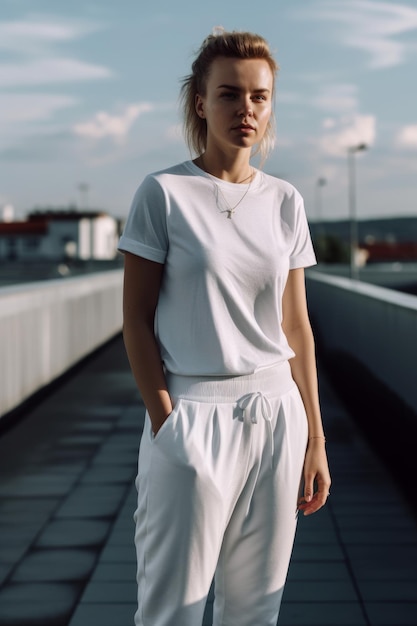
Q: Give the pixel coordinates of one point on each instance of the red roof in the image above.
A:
(37, 227)
(386, 251)
(37, 222)
(64, 215)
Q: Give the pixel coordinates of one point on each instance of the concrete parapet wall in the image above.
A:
(46, 327)
(377, 326)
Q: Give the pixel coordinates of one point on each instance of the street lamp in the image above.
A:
(83, 188)
(320, 183)
(354, 239)
(319, 241)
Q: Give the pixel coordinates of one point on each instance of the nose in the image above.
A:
(246, 109)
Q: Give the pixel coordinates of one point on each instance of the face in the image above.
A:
(237, 104)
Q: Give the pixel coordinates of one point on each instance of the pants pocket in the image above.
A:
(167, 424)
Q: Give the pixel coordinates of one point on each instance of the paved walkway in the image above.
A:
(67, 498)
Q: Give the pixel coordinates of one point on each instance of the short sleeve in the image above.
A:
(302, 253)
(145, 231)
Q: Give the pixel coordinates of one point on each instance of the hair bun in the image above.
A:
(218, 31)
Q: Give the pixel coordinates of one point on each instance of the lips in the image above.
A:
(244, 127)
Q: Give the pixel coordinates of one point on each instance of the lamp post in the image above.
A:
(83, 188)
(354, 239)
(319, 231)
(320, 183)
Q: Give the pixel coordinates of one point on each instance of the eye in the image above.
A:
(228, 95)
(259, 97)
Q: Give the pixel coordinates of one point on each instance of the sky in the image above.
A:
(89, 98)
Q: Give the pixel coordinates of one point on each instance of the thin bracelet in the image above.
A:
(318, 437)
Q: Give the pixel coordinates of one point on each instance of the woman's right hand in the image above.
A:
(157, 424)
(142, 280)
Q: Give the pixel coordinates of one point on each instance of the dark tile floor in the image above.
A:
(67, 498)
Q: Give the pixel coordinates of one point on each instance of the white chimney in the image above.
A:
(8, 213)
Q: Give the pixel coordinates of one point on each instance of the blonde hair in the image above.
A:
(234, 44)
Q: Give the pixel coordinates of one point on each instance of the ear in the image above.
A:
(199, 106)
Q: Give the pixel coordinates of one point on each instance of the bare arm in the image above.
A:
(297, 328)
(142, 281)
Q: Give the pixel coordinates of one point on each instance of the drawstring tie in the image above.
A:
(253, 404)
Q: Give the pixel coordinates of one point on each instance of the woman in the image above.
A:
(219, 341)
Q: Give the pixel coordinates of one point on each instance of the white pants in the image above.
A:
(217, 495)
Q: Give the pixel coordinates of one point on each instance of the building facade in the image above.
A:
(60, 235)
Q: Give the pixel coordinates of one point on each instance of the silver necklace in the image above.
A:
(222, 202)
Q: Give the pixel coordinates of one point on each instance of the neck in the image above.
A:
(235, 169)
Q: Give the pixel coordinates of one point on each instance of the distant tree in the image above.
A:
(331, 249)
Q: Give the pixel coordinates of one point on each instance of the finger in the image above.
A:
(308, 508)
(308, 487)
(317, 502)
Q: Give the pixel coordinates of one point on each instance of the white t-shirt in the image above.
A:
(220, 305)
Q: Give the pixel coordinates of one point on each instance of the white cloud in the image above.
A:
(31, 57)
(407, 137)
(329, 122)
(10, 31)
(36, 60)
(346, 132)
(17, 108)
(375, 27)
(174, 133)
(34, 35)
(116, 126)
(287, 97)
(337, 98)
(284, 141)
(24, 116)
(47, 71)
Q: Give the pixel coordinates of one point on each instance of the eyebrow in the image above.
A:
(234, 88)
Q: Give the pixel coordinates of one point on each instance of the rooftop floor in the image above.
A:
(67, 498)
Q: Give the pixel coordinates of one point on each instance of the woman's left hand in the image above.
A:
(316, 475)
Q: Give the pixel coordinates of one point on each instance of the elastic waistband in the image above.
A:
(272, 381)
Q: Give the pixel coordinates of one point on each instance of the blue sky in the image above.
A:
(89, 94)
